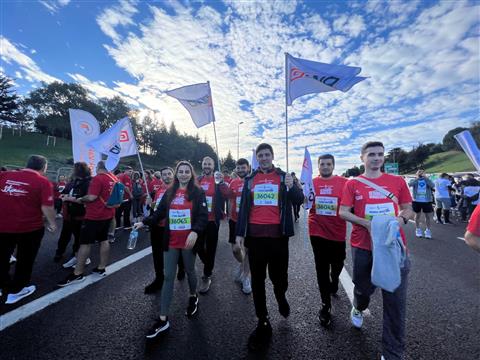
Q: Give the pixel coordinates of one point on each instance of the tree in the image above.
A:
(228, 163)
(8, 100)
(449, 142)
(113, 109)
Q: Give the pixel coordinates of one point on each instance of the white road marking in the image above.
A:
(36, 305)
(347, 284)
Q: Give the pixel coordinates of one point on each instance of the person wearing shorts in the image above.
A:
(442, 198)
(422, 188)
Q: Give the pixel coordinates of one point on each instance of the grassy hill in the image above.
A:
(449, 162)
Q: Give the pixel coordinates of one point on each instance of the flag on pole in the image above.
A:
(254, 162)
(467, 142)
(309, 77)
(116, 142)
(84, 128)
(197, 99)
(306, 179)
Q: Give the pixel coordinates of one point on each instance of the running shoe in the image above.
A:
(70, 263)
(205, 284)
(157, 328)
(247, 285)
(325, 316)
(12, 259)
(100, 272)
(428, 234)
(26, 291)
(418, 232)
(192, 306)
(356, 318)
(87, 262)
(260, 336)
(71, 279)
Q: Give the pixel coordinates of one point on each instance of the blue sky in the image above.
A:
(421, 57)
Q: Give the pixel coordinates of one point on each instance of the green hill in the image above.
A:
(449, 162)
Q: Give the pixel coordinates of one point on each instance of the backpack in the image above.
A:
(116, 196)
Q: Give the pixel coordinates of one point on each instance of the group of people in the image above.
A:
(184, 215)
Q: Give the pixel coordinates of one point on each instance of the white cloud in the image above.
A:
(117, 15)
(54, 6)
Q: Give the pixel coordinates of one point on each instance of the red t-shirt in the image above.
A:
(127, 181)
(154, 185)
(227, 179)
(208, 185)
(323, 219)
(367, 202)
(265, 208)
(180, 219)
(101, 186)
(156, 200)
(474, 223)
(236, 188)
(22, 195)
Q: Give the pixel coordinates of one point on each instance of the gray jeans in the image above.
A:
(394, 304)
(170, 259)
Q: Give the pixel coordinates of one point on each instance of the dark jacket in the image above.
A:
(78, 188)
(199, 217)
(293, 196)
(219, 200)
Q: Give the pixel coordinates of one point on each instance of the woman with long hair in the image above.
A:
(184, 207)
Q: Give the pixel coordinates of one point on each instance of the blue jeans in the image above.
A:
(394, 304)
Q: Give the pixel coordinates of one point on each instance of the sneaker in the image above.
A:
(100, 272)
(260, 336)
(87, 262)
(180, 274)
(357, 318)
(284, 307)
(12, 259)
(160, 326)
(325, 316)
(71, 279)
(205, 284)
(247, 285)
(238, 274)
(26, 291)
(428, 234)
(192, 306)
(153, 287)
(382, 358)
(70, 263)
(418, 232)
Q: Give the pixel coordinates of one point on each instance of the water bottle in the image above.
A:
(132, 240)
(217, 177)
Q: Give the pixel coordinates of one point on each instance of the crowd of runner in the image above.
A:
(183, 213)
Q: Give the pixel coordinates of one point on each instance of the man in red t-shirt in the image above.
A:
(25, 197)
(327, 232)
(367, 202)
(124, 209)
(472, 235)
(96, 223)
(156, 182)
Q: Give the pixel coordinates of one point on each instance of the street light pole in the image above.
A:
(238, 139)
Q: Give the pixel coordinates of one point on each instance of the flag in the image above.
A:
(197, 99)
(308, 77)
(254, 162)
(116, 142)
(84, 128)
(306, 179)
(467, 142)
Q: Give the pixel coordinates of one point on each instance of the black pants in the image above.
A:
(271, 253)
(57, 203)
(123, 209)
(296, 211)
(27, 248)
(329, 256)
(209, 248)
(69, 228)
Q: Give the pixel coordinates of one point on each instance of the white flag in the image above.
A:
(308, 77)
(467, 142)
(118, 141)
(84, 128)
(254, 162)
(306, 179)
(197, 99)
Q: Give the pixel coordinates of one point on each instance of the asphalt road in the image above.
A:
(108, 319)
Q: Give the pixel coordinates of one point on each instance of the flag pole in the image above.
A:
(214, 128)
(140, 161)
(286, 110)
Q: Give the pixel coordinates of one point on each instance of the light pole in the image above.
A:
(238, 139)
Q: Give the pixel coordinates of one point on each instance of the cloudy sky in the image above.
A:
(421, 59)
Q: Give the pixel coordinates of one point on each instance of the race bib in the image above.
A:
(209, 203)
(265, 195)
(237, 200)
(326, 205)
(372, 210)
(205, 186)
(179, 219)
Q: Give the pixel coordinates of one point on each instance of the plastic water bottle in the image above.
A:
(132, 240)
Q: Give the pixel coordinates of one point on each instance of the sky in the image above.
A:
(421, 59)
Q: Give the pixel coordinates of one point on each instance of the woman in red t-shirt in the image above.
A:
(184, 207)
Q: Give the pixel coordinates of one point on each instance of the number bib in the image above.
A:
(179, 219)
(209, 203)
(237, 200)
(372, 210)
(326, 205)
(265, 195)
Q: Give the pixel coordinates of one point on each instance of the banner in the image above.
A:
(308, 77)
(197, 99)
(116, 142)
(306, 178)
(254, 162)
(84, 128)
(467, 142)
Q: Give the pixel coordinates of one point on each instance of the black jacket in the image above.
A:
(293, 196)
(219, 201)
(199, 217)
(78, 188)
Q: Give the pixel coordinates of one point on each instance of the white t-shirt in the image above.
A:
(441, 188)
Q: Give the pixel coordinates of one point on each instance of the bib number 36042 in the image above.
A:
(265, 195)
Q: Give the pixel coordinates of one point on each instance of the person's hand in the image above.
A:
(191, 240)
(288, 180)
(138, 225)
(367, 224)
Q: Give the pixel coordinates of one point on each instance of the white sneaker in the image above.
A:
(70, 263)
(428, 234)
(26, 291)
(12, 259)
(246, 285)
(356, 318)
(418, 232)
(87, 262)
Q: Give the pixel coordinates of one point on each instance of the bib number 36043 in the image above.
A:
(326, 205)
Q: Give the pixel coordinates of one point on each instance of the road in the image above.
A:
(108, 319)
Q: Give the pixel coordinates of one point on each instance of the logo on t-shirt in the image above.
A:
(327, 190)
(376, 195)
(13, 188)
